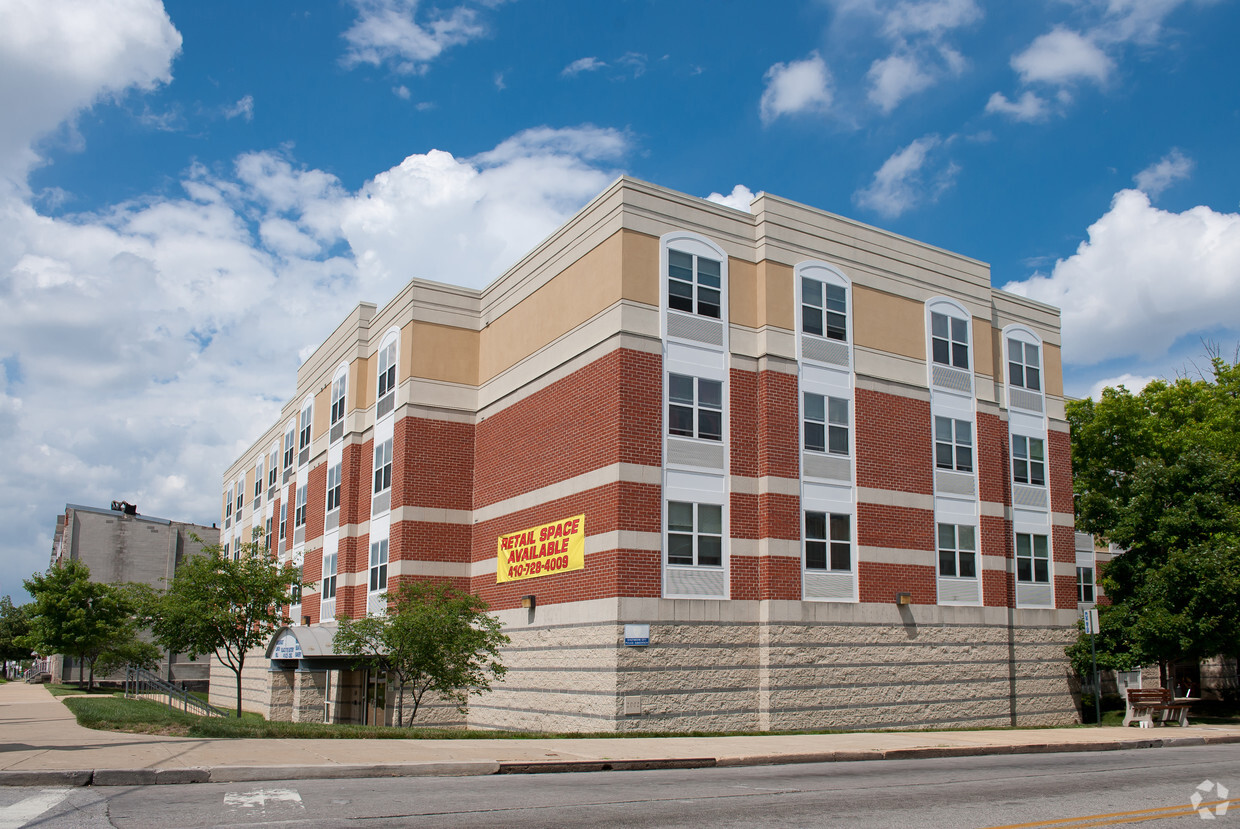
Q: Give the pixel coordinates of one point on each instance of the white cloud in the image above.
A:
(921, 52)
(1062, 56)
(59, 58)
(739, 198)
(142, 346)
(1173, 167)
(1140, 21)
(1029, 107)
(895, 78)
(580, 65)
(401, 91)
(1144, 279)
(388, 32)
(930, 17)
(801, 86)
(244, 108)
(1133, 382)
(902, 183)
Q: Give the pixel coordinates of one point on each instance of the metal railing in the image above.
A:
(36, 670)
(142, 684)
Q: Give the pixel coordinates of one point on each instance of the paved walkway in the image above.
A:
(42, 744)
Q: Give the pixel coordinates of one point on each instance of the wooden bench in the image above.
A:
(1155, 706)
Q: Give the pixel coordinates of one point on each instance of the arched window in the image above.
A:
(823, 294)
(949, 334)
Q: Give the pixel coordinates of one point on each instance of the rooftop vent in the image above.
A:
(125, 507)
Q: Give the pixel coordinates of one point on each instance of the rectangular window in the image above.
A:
(826, 424)
(949, 340)
(226, 549)
(299, 517)
(958, 550)
(283, 521)
(228, 503)
(1084, 584)
(338, 398)
(824, 309)
(329, 577)
(383, 466)
(333, 488)
(294, 593)
(694, 534)
(306, 419)
(378, 565)
(267, 536)
(1024, 365)
(290, 446)
(1028, 460)
(272, 468)
(828, 542)
(694, 284)
(1033, 559)
(953, 444)
(694, 407)
(240, 490)
(387, 369)
(258, 479)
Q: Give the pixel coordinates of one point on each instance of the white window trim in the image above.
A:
(696, 407)
(1028, 336)
(341, 377)
(805, 539)
(829, 274)
(827, 424)
(388, 461)
(390, 338)
(698, 245)
(934, 439)
(667, 532)
(950, 308)
(1028, 459)
(305, 425)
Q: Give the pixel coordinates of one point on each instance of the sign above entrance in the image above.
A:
(557, 547)
(287, 647)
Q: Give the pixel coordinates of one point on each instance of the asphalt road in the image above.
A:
(1152, 786)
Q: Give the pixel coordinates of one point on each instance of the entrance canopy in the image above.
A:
(306, 648)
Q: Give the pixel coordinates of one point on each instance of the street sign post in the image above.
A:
(1091, 627)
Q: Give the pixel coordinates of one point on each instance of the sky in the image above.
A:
(193, 195)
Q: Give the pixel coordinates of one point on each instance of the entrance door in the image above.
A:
(376, 698)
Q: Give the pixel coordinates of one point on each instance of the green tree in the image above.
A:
(1158, 474)
(75, 616)
(222, 605)
(432, 638)
(14, 625)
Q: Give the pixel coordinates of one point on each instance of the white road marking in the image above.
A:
(261, 797)
(24, 811)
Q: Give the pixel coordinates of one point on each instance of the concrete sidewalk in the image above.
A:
(41, 744)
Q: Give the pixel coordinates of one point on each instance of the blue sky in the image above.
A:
(192, 194)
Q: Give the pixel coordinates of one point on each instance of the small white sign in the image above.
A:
(1091, 621)
(636, 636)
(287, 647)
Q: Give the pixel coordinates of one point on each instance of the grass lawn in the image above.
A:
(147, 717)
(72, 690)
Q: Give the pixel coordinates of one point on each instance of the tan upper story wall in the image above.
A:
(1052, 369)
(442, 352)
(362, 382)
(890, 323)
(587, 286)
(322, 412)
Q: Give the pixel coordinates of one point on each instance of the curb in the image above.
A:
(248, 774)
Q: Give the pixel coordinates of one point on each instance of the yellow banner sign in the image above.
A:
(540, 551)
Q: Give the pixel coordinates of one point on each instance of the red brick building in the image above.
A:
(823, 472)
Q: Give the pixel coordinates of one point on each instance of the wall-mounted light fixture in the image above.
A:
(528, 602)
(904, 599)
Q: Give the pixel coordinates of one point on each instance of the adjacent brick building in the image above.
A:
(119, 545)
(823, 471)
